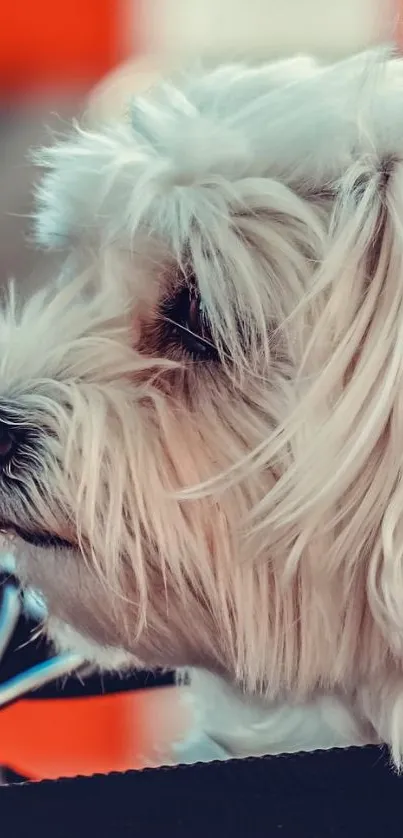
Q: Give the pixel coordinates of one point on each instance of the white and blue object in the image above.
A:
(13, 605)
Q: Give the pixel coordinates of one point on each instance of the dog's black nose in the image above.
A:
(7, 443)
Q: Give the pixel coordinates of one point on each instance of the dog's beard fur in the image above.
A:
(232, 499)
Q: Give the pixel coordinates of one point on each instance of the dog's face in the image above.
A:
(179, 420)
(116, 404)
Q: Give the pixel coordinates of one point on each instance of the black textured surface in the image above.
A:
(334, 794)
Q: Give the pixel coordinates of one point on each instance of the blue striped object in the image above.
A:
(13, 605)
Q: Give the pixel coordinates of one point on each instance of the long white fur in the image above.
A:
(270, 513)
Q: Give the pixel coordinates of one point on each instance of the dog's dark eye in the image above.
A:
(188, 325)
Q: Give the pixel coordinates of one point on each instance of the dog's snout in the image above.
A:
(8, 443)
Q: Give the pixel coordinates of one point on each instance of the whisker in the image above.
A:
(187, 331)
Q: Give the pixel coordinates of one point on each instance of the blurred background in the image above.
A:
(51, 55)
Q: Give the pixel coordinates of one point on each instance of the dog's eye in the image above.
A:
(188, 324)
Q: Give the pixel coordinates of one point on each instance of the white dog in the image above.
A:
(202, 423)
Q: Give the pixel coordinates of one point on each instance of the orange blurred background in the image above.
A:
(65, 737)
(48, 44)
(72, 43)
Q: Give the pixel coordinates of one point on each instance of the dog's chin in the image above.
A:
(81, 617)
(63, 636)
(66, 639)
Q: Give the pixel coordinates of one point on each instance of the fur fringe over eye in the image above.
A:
(184, 150)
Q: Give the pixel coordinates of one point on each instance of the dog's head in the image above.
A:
(199, 425)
